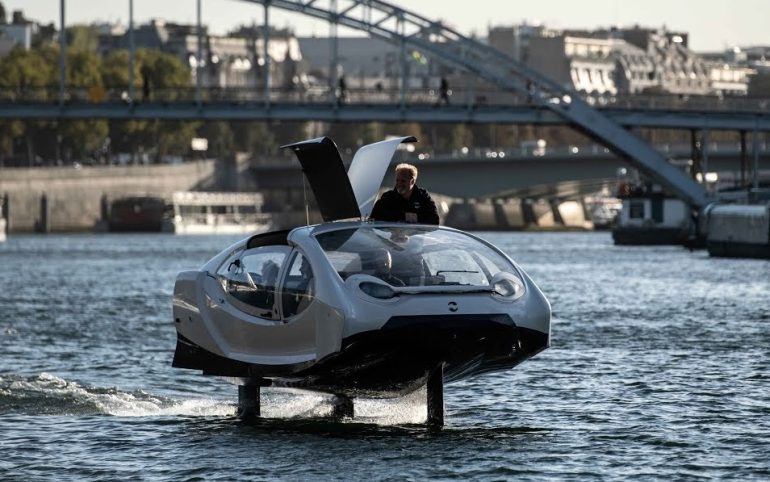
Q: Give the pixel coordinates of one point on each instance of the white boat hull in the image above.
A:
(218, 228)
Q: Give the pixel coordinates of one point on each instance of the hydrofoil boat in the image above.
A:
(354, 307)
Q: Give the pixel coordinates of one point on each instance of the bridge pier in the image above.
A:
(7, 212)
(696, 153)
(755, 169)
(44, 221)
(744, 159)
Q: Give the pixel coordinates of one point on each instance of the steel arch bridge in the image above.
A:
(408, 29)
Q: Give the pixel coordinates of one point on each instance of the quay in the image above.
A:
(67, 199)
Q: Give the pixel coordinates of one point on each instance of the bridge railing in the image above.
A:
(470, 98)
(671, 150)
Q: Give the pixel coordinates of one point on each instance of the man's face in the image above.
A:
(404, 182)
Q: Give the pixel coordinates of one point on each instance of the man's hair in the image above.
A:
(409, 168)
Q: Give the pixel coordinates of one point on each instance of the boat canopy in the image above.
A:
(343, 195)
(419, 255)
(368, 169)
(322, 165)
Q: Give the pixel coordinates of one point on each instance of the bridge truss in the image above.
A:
(545, 101)
(408, 29)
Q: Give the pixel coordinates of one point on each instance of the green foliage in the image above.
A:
(9, 131)
(82, 38)
(34, 74)
(220, 138)
(258, 138)
(83, 138)
(83, 69)
(172, 137)
(405, 129)
(164, 73)
(461, 136)
(288, 132)
(114, 69)
(27, 74)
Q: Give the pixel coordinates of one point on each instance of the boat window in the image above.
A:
(419, 256)
(636, 209)
(298, 286)
(251, 279)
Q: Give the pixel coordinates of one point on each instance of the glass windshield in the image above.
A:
(251, 278)
(298, 286)
(413, 256)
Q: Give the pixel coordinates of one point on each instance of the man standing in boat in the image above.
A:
(406, 202)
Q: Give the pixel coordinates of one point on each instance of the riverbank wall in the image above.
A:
(68, 199)
(74, 196)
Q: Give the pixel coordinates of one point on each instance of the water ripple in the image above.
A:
(657, 370)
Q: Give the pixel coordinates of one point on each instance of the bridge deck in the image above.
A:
(380, 112)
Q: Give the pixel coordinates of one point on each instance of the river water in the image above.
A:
(658, 369)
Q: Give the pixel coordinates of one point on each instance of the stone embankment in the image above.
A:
(66, 199)
(74, 196)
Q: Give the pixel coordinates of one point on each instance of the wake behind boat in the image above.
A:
(356, 308)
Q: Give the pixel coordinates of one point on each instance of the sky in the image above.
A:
(713, 25)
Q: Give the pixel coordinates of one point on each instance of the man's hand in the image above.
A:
(411, 217)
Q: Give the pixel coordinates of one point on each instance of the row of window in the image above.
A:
(276, 282)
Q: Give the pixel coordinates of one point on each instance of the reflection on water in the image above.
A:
(658, 369)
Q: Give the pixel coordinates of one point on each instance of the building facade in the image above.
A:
(621, 61)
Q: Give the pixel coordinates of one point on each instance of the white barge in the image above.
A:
(218, 213)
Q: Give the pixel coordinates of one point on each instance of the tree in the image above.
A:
(26, 75)
(256, 138)
(169, 79)
(82, 38)
(81, 139)
(114, 70)
(125, 136)
(220, 139)
(172, 137)
(461, 136)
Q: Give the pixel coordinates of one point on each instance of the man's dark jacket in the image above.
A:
(393, 207)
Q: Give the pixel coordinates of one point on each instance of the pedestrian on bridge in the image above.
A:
(444, 92)
(406, 202)
(342, 89)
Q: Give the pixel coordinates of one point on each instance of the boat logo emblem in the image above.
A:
(452, 306)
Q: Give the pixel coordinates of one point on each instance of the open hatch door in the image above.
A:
(368, 169)
(324, 171)
(343, 195)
